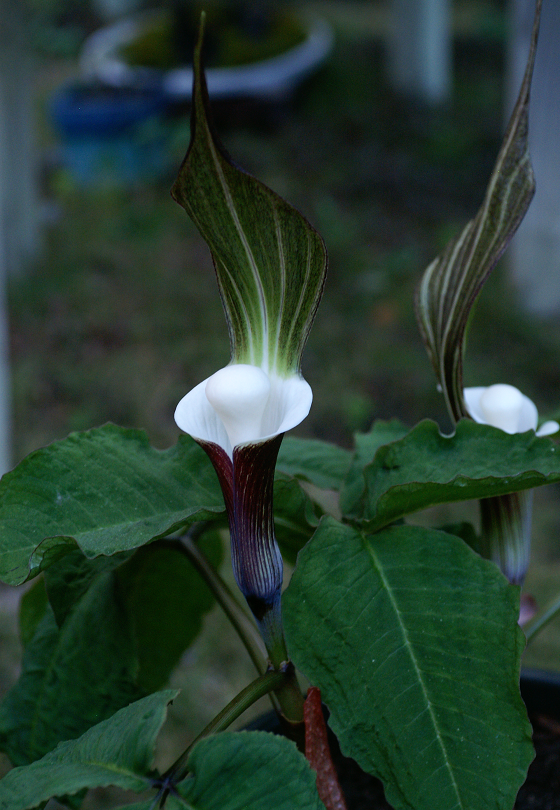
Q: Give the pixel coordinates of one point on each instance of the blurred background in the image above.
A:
(379, 120)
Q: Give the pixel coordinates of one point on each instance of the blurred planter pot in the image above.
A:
(110, 135)
(541, 791)
(271, 79)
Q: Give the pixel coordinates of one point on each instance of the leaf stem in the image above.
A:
(269, 682)
(240, 621)
(534, 627)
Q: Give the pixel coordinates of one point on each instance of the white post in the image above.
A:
(5, 379)
(19, 200)
(19, 208)
(419, 49)
(534, 256)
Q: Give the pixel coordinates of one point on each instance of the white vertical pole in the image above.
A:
(19, 203)
(19, 209)
(5, 386)
(419, 49)
(534, 256)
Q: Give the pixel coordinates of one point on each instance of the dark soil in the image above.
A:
(541, 790)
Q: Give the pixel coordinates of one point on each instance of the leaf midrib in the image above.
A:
(410, 650)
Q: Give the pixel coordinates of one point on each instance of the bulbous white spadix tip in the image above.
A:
(239, 394)
(501, 405)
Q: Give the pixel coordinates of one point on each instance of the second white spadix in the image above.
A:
(505, 407)
(501, 406)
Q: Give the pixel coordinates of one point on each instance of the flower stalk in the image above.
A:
(446, 294)
(263, 685)
(506, 520)
(270, 266)
(505, 523)
(242, 624)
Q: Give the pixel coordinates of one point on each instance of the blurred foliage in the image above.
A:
(238, 33)
(57, 28)
(122, 316)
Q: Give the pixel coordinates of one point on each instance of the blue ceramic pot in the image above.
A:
(110, 134)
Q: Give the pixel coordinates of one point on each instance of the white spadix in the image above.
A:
(501, 405)
(505, 407)
(239, 394)
(242, 403)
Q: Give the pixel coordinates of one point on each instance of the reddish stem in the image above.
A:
(318, 752)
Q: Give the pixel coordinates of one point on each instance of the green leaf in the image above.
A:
(295, 517)
(249, 769)
(165, 599)
(465, 531)
(453, 281)
(32, 608)
(68, 580)
(414, 642)
(171, 804)
(367, 444)
(478, 461)
(72, 677)
(104, 491)
(118, 751)
(269, 261)
(122, 623)
(320, 463)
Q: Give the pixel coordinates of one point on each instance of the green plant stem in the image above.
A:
(287, 699)
(534, 627)
(241, 623)
(269, 682)
(290, 698)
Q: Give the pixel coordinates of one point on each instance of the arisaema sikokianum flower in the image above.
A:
(270, 267)
(506, 520)
(446, 294)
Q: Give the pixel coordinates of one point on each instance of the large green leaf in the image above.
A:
(165, 599)
(244, 770)
(367, 444)
(104, 491)
(453, 281)
(320, 463)
(477, 461)
(249, 769)
(414, 642)
(118, 751)
(269, 261)
(150, 605)
(68, 580)
(32, 607)
(72, 677)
